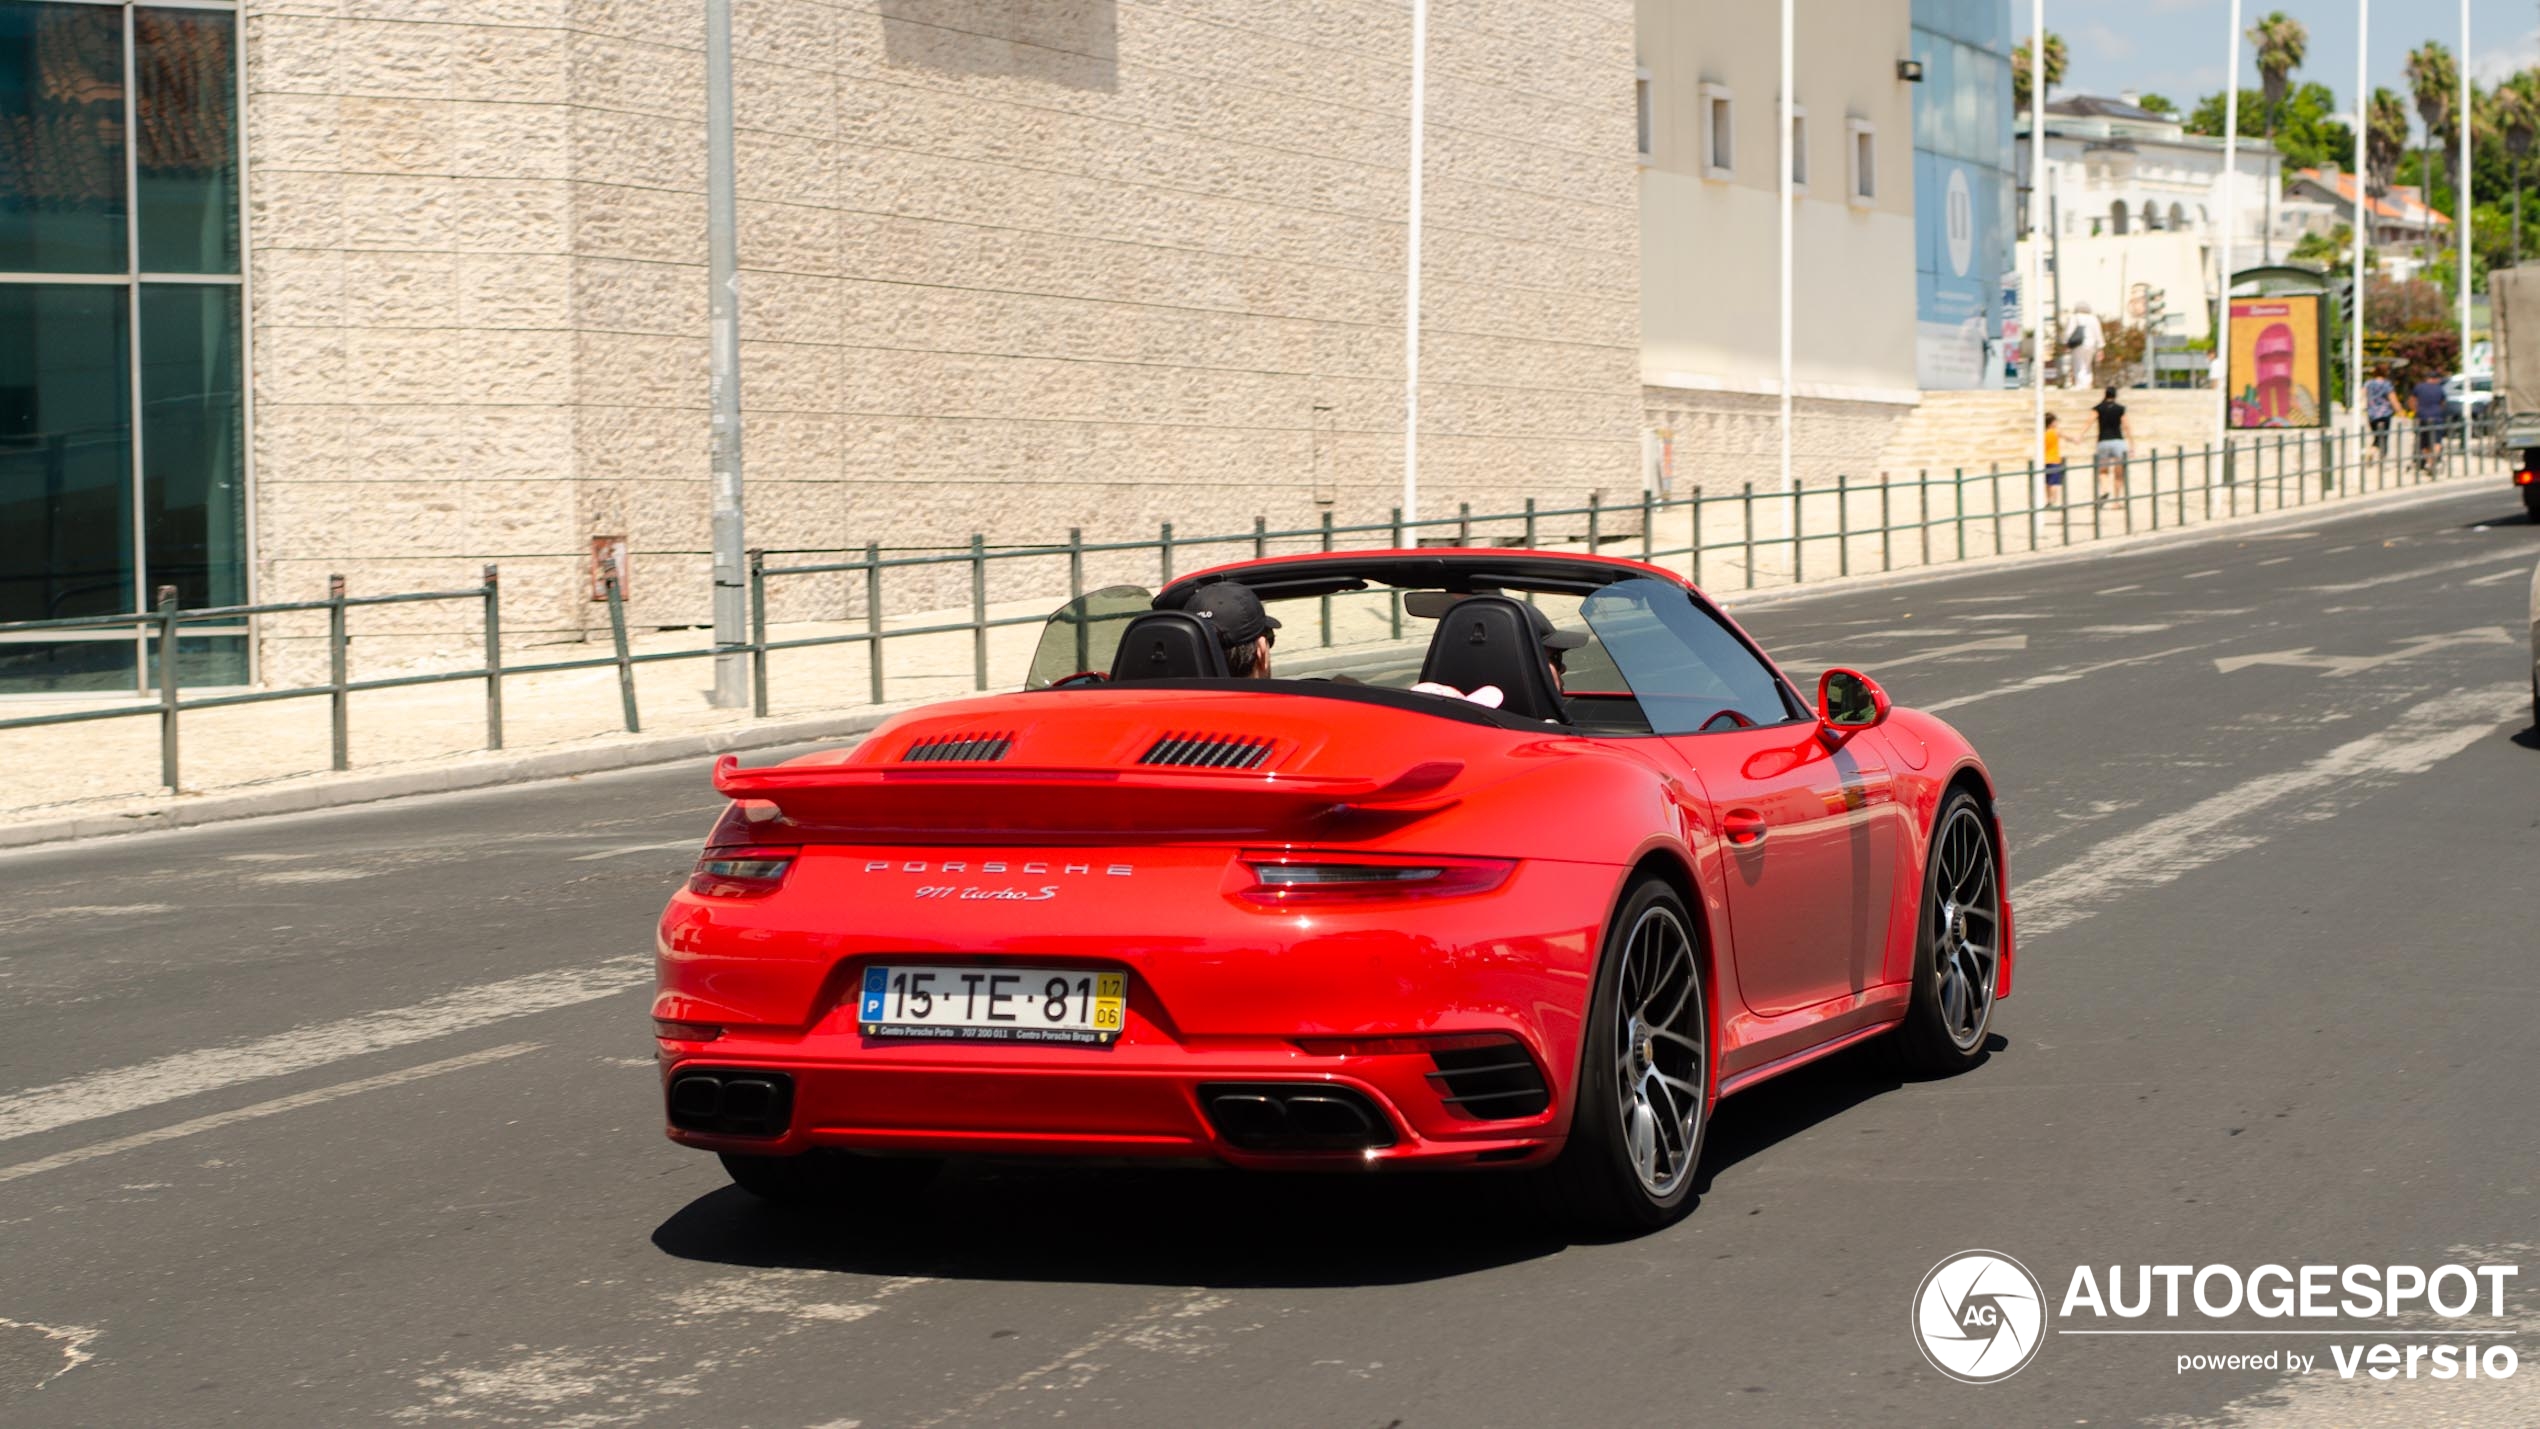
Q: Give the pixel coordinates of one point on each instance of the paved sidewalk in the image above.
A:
(77, 780)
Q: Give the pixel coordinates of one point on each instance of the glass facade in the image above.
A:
(122, 336)
(1964, 188)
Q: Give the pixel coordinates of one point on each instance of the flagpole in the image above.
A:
(2033, 306)
(2363, 224)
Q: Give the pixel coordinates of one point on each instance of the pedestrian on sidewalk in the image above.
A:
(2381, 403)
(2082, 344)
(2054, 460)
(2433, 411)
(2115, 431)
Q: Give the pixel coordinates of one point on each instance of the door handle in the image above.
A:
(1742, 827)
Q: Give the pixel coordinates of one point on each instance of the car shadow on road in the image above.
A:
(1224, 1229)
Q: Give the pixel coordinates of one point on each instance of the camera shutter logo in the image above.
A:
(1979, 1316)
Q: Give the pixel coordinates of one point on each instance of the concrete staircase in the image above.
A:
(1974, 430)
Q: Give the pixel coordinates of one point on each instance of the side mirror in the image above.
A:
(1848, 700)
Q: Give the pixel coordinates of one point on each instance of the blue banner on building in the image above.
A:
(1963, 188)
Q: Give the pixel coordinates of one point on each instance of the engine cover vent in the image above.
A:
(1209, 751)
(974, 748)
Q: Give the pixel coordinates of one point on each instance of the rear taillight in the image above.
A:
(2526, 476)
(740, 872)
(672, 1031)
(1301, 879)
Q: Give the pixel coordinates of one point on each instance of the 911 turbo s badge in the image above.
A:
(992, 867)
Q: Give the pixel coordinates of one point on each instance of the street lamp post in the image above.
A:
(2363, 224)
(1411, 277)
(723, 303)
(2230, 228)
(2462, 220)
(2033, 308)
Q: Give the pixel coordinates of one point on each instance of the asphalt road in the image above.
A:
(351, 1117)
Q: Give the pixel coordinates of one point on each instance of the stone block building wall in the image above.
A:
(1723, 440)
(1008, 266)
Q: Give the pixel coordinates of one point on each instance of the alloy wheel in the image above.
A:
(1659, 1063)
(1966, 933)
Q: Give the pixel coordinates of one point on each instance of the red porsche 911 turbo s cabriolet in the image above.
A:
(1536, 905)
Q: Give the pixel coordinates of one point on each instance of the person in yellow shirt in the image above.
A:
(2054, 460)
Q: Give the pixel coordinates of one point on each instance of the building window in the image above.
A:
(1799, 148)
(1862, 178)
(1641, 118)
(2178, 218)
(1719, 132)
(123, 446)
(2117, 217)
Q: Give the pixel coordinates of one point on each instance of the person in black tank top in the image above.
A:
(2114, 433)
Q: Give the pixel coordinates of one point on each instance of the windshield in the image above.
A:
(1689, 672)
(1082, 635)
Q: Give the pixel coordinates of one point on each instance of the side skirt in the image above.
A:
(1740, 1081)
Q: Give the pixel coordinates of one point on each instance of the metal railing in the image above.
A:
(2250, 475)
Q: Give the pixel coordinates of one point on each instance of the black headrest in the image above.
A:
(1487, 640)
(1168, 645)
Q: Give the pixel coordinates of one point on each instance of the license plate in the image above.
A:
(983, 1003)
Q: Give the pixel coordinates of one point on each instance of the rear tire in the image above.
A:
(1643, 1103)
(828, 1178)
(1957, 943)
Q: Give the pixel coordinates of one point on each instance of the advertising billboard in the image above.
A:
(2278, 372)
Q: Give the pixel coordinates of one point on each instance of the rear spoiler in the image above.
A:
(886, 799)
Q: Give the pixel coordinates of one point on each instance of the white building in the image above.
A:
(2402, 222)
(2137, 207)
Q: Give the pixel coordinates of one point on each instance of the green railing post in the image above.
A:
(1958, 508)
(1464, 523)
(1327, 600)
(1746, 496)
(1922, 509)
(1164, 545)
(1261, 534)
(978, 611)
(494, 657)
(1076, 566)
(1596, 513)
(617, 640)
(167, 688)
(1842, 524)
(339, 702)
(1532, 540)
(2153, 500)
(758, 634)
(2178, 463)
(1993, 494)
(1648, 525)
(1798, 526)
(873, 619)
(1393, 598)
(1697, 535)
(1887, 527)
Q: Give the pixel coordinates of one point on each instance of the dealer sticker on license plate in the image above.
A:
(992, 1003)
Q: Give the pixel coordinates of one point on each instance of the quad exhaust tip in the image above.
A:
(1294, 1116)
(732, 1103)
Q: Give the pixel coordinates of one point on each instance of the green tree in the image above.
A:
(2022, 66)
(2281, 43)
(2332, 252)
(2306, 132)
(2159, 104)
(2385, 141)
(2513, 110)
(2433, 80)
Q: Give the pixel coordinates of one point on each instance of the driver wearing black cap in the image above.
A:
(1243, 629)
(1554, 642)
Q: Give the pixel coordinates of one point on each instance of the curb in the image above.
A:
(638, 751)
(477, 772)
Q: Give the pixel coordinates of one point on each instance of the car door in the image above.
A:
(1807, 827)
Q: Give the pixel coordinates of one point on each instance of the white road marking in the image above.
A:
(74, 1340)
(625, 849)
(184, 1074)
(2200, 575)
(1998, 642)
(2275, 561)
(2175, 845)
(2154, 629)
(2498, 578)
(278, 1105)
(2053, 677)
(2420, 573)
(2116, 590)
(1188, 1302)
(2334, 666)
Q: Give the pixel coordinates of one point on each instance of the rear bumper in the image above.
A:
(1122, 1102)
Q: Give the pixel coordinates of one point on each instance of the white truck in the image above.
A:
(2513, 298)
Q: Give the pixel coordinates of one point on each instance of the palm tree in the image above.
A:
(2021, 66)
(2515, 109)
(2385, 140)
(2281, 43)
(2433, 79)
